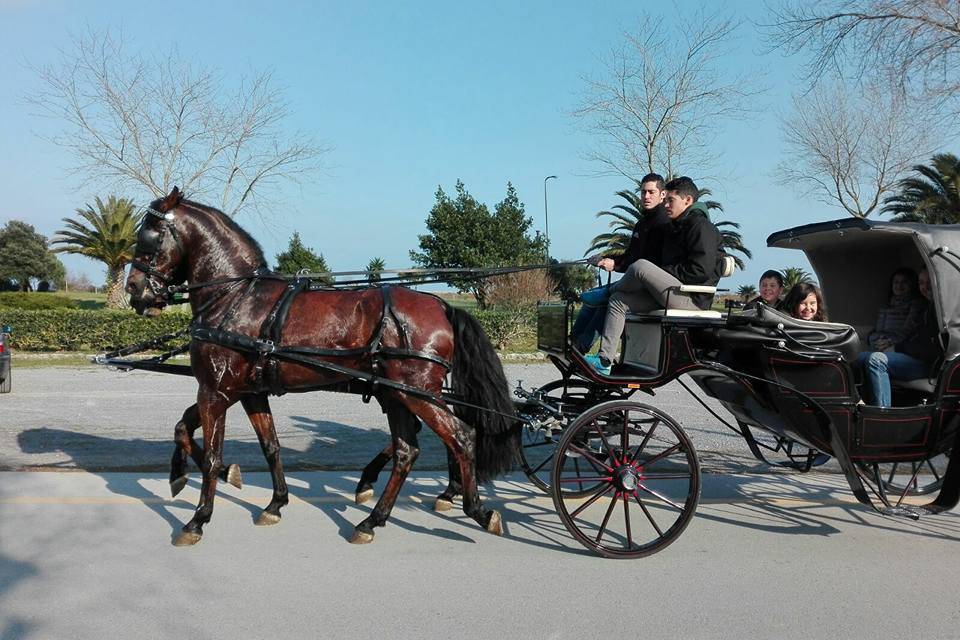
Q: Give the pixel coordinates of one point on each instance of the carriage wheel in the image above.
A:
(902, 479)
(539, 444)
(646, 480)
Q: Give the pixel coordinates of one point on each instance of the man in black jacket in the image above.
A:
(690, 255)
(646, 243)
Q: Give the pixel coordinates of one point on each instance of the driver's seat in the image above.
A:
(642, 332)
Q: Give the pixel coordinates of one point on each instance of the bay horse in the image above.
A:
(256, 333)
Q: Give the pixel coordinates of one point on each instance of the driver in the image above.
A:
(646, 242)
(690, 255)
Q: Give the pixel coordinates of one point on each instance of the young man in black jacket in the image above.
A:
(646, 243)
(690, 255)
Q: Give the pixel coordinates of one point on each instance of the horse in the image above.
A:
(255, 333)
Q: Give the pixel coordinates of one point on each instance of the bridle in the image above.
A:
(149, 242)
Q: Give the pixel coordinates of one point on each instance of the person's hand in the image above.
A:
(883, 344)
(606, 264)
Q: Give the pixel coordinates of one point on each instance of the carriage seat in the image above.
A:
(727, 269)
(758, 326)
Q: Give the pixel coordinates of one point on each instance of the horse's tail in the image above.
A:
(478, 379)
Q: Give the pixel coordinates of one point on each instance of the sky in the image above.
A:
(408, 96)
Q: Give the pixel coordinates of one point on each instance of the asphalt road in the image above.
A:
(87, 553)
(99, 419)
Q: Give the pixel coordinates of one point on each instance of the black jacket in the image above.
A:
(923, 343)
(646, 242)
(691, 251)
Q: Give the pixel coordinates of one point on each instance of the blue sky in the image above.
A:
(410, 96)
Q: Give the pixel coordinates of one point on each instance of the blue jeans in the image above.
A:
(880, 366)
(587, 327)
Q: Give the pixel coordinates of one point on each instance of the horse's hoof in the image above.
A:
(233, 476)
(187, 539)
(176, 486)
(495, 524)
(361, 537)
(265, 518)
(442, 504)
(363, 496)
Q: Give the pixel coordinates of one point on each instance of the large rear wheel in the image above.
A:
(899, 480)
(644, 480)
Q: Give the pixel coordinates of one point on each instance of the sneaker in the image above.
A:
(600, 365)
(598, 296)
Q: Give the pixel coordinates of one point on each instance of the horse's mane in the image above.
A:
(165, 204)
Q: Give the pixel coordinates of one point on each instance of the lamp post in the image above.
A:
(546, 217)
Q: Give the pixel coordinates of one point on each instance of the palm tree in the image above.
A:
(795, 275)
(626, 216)
(933, 197)
(747, 291)
(108, 235)
(731, 242)
(374, 267)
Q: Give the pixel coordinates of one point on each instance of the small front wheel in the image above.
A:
(644, 481)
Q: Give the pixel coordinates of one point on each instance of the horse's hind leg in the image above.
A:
(370, 474)
(258, 410)
(461, 440)
(444, 501)
(403, 430)
(185, 446)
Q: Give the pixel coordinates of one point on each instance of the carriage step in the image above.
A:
(907, 511)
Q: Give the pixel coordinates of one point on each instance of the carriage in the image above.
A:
(624, 476)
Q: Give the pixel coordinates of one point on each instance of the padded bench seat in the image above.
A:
(921, 384)
(674, 313)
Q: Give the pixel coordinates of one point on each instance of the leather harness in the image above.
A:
(270, 351)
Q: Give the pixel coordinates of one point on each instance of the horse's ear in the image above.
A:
(171, 200)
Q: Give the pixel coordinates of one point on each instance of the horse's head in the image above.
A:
(158, 258)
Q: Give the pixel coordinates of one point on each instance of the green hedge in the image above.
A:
(81, 330)
(104, 330)
(35, 301)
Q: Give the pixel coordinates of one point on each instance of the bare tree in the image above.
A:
(916, 42)
(849, 148)
(133, 121)
(661, 95)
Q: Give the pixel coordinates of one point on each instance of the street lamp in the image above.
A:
(546, 218)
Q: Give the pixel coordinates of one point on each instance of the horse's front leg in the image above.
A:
(403, 429)
(444, 501)
(370, 474)
(186, 447)
(258, 410)
(212, 408)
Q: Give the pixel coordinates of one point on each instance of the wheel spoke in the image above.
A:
(647, 513)
(542, 464)
(603, 489)
(606, 519)
(667, 476)
(646, 439)
(663, 454)
(625, 434)
(589, 456)
(626, 518)
(603, 438)
(582, 479)
(660, 496)
(933, 469)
